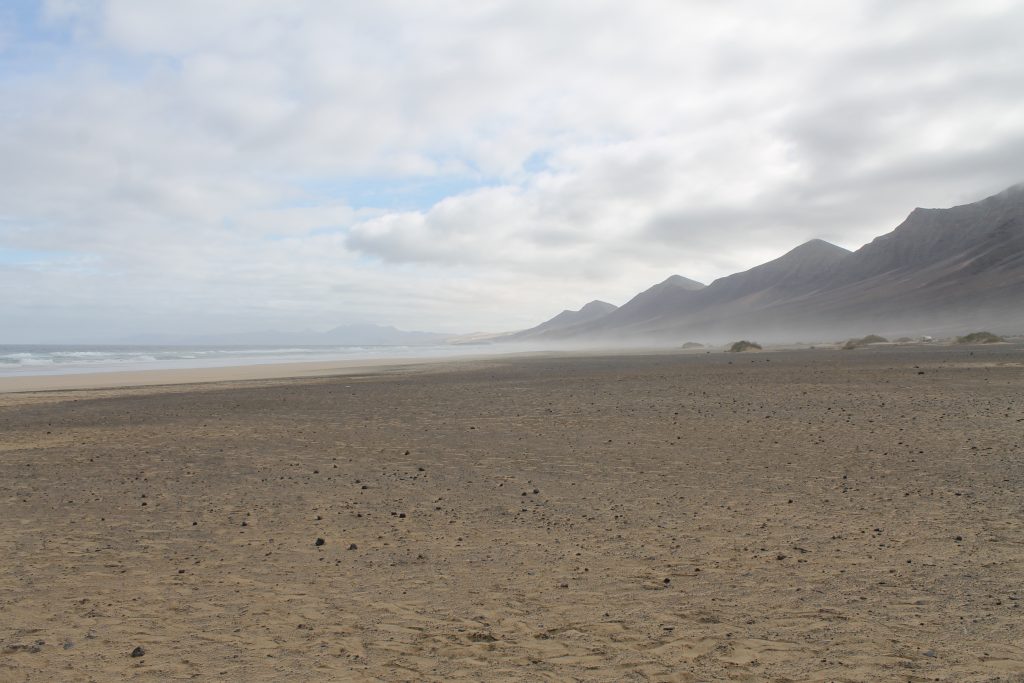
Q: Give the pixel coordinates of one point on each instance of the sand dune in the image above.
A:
(790, 516)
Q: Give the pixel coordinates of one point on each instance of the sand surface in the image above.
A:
(791, 516)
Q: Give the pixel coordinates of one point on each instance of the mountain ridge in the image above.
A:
(952, 269)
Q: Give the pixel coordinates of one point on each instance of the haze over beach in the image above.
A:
(657, 341)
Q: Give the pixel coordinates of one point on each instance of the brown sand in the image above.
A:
(791, 516)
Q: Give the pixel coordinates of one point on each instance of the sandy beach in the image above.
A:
(789, 516)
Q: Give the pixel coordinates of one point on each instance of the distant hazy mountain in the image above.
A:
(345, 335)
(565, 320)
(940, 271)
(674, 294)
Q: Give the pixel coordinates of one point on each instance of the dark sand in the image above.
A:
(791, 516)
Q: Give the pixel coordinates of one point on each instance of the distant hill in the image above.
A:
(565, 320)
(944, 271)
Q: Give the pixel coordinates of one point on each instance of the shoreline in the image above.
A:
(136, 378)
(114, 379)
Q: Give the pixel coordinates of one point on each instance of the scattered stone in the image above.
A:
(17, 647)
(138, 651)
(319, 542)
(353, 546)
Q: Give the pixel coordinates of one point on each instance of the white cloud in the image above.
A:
(205, 158)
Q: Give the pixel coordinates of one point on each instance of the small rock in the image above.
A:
(353, 546)
(138, 652)
(319, 542)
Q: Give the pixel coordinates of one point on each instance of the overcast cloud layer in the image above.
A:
(456, 166)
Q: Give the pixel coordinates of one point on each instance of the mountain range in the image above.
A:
(941, 271)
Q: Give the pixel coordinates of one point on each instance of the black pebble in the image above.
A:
(138, 652)
(353, 546)
(319, 542)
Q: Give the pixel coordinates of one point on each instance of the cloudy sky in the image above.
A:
(218, 165)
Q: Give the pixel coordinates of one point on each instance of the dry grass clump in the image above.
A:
(744, 345)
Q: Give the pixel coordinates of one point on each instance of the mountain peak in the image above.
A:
(683, 283)
(566, 319)
(817, 249)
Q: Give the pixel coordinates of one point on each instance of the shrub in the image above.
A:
(744, 345)
(980, 338)
(864, 341)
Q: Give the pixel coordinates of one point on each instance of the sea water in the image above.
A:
(60, 360)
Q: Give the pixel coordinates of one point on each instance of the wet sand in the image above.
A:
(238, 373)
(789, 516)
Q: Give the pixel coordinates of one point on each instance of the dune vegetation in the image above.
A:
(980, 338)
(744, 345)
(864, 341)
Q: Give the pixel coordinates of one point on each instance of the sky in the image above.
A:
(209, 166)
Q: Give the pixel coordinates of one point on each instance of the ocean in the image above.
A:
(23, 360)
